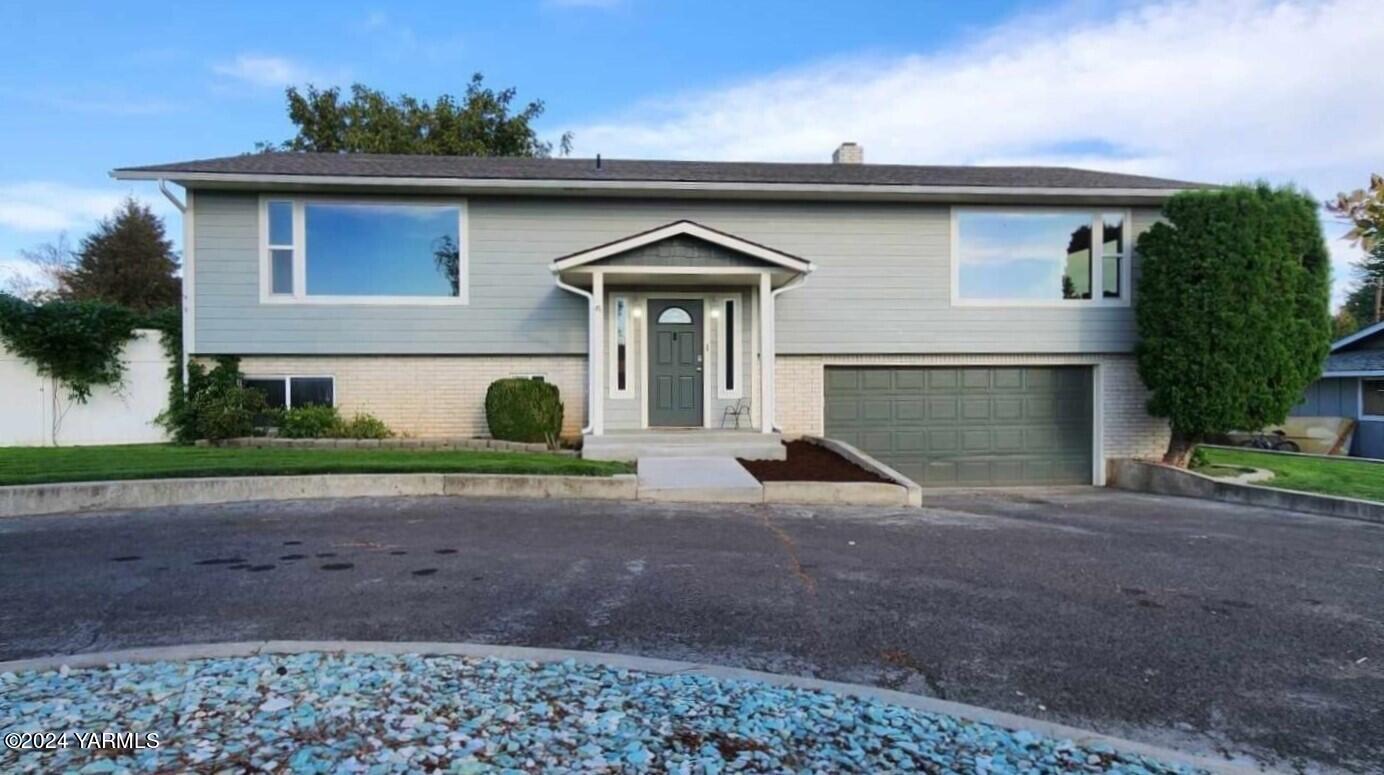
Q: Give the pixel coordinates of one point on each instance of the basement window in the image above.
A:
(290, 392)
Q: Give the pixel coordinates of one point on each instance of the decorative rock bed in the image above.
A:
(370, 713)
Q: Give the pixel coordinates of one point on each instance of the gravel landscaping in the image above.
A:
(349, 713)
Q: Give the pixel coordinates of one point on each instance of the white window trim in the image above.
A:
(1097, 262)
(288, 388)
(300, 295)
(612, 344)
(739, 361)
(1360, 397)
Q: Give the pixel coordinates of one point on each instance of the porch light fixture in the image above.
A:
(715, 313)
(637, 312)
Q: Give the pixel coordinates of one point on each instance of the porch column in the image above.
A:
(596, 361)
(766, 355)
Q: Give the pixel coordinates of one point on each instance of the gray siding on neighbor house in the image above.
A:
(1340, 397)
(882, 285)
(682, 251)
(1331, 397)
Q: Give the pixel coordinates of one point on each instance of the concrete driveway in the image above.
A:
(1208, 627)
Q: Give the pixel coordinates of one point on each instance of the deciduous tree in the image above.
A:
(482, 123)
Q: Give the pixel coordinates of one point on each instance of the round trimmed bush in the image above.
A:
(521, 409)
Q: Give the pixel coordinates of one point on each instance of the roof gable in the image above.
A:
(1369, 337)
(687, 233)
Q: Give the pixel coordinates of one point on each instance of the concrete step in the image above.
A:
(631, 446)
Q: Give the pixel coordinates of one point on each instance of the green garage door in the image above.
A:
(968, 426)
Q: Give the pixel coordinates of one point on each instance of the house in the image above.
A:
(1352, 385)
(967, 325)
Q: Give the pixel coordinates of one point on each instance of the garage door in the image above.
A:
(968, 426)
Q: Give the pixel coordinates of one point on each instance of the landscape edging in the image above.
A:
(650, 665)
(1160, 479)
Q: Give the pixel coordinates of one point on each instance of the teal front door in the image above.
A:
(675, 363)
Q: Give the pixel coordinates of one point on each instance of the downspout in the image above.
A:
(773, 331)
(163, 188)
(186, 283)
(592, 393)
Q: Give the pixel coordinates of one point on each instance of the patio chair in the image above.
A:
(740, 408)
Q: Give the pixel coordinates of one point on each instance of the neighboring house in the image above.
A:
(1352, 385)
(941, 318)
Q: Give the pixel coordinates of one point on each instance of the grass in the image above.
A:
(39, 465)
(1328, 476)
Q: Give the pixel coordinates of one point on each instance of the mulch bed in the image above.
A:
(808, 462)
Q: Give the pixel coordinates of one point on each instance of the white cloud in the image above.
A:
(1214, 90)
(48, 207)
(271, 71)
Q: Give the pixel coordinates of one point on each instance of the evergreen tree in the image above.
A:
(1232, 310)
(128, 261)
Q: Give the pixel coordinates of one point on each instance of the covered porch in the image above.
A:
(681, 335)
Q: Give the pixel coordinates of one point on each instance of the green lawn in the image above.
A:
(37, 465)
(1329, 476)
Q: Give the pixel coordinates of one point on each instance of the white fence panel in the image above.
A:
(35, 411)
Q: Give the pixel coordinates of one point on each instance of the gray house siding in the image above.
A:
(882, 285)
(514, 306)
(1331, 397)
(1340, 397)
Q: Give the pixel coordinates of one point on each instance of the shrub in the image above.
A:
(520, 409)
(1232, 310)
(364, 426)
(227, 411)
(309, 422)
(212, 405)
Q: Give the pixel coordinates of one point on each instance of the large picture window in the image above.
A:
(288, 392)
(1041, 257)
(331, 251)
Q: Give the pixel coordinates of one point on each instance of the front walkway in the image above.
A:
(1202, 626)
(704, 479)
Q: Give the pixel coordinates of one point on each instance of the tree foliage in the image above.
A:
(1363, 209)
(127, 260)
(482, 123)
(77, 343)
(1232, 310)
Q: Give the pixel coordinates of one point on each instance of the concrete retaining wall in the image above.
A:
(913, 492)
(394, 443)
(1144, 476)
(836, 493)
(151, 493)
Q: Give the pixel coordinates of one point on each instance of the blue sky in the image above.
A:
(1199, 90)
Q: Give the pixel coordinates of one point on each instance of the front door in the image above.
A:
(675, 362)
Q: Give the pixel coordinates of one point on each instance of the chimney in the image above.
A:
(848, 153)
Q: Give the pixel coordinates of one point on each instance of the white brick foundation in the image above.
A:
(431, 396)
(1128, 430)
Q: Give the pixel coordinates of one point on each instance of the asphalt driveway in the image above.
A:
(1208, 627)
